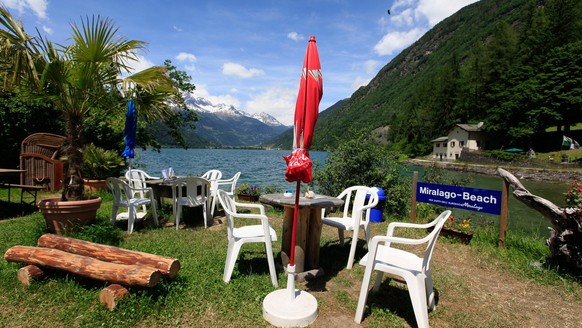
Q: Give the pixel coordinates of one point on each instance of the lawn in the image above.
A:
(478, 285)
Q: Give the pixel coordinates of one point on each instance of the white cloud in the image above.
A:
(277, 101)
(47, 29)
(141, 64)
(396, 41)
(360, 82)
(176, 28)
(437, 10)
(295, 36)
(202, 91)
(37, 6)
(184, 56)
(240, 71)
(370, 66)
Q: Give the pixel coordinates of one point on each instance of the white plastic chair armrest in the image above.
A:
(250, 205)
(393, 225)
(250, 216)
(397, 240)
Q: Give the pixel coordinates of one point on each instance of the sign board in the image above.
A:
(472, 199)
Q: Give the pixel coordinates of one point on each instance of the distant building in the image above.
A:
(462, 137)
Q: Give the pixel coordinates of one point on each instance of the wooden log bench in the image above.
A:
(120, 267)
(29, 189)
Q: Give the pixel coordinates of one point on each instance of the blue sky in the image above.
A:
(249, 53)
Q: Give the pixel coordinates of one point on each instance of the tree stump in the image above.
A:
(565, 240)
(111, 295)
(29, 273)
(168, 266)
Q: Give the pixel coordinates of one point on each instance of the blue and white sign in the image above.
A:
(472, 199)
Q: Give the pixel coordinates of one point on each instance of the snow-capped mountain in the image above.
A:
(204, 105)
(226, 125)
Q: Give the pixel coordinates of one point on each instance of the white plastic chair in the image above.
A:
(355, 215)
(124, 196)
(237, 236)
(213, 176)
(191, 192)
(229, 185)
(415, 270)
(137, 180)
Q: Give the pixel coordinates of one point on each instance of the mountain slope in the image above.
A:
(389, 93)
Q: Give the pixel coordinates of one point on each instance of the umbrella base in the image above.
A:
(281, 311)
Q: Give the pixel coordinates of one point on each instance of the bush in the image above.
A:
(100, 164)
(361, 161)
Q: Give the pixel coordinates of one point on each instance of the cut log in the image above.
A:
(111, 295)
(125, 274)
(168, 266)
(26, 275)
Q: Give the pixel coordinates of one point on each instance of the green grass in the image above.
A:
(198, 297)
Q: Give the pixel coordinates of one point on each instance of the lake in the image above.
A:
(267, 168)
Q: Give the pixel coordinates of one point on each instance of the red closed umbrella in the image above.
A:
(306, 112)
(290, 308)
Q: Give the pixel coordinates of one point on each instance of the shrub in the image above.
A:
(361, 161)
(100, 163)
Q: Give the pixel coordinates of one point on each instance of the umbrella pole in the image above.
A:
(291, 266)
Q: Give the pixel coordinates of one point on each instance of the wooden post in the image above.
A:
(168, 266)
(413, 203)
(29, 273)
(131, 275)
(504, 214)
(111, 294)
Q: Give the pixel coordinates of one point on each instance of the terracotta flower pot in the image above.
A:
(61, 216)
(92, 186)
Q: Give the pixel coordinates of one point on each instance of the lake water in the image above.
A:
(257, 167)
(267, 168)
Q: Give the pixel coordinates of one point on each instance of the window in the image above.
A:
(438, 145)
(452, 144)
(461, 144)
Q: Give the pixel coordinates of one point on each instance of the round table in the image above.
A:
(308, 234)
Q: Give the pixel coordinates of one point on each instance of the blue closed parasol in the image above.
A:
(130, 130)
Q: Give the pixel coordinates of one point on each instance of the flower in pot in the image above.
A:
(82, 80)
(98, 165)
(248, 192)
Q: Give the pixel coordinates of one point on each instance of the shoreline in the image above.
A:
(522, 173)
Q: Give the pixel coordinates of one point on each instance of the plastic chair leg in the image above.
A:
(231, 256)
(417, 293)
(352, 251)
(154, 212)
(340, 233)
(271, 261)
(131, 219)
(114, 214)
(363, 294)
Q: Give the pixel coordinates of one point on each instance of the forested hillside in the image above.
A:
(515, 65)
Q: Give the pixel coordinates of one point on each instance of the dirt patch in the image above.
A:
(473, 291)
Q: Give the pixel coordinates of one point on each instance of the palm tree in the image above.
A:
(82, 77)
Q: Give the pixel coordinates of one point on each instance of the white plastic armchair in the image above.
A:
(124, 196)
(191, 192)
(415, 270)
(137, 180)
(355, 215)
(237, 236)
(228, 185)
(213, 176)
